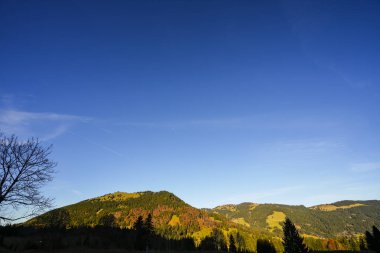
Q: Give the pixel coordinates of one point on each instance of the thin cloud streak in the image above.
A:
(45, 125)
(104, 147)
(233, 122)
(260, 121)
(14, 117)
(307, 145)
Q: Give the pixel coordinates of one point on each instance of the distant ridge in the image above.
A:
(325, 221)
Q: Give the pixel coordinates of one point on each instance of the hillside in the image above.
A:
(172, 217)
(327, 226)
(126, 207)
(327, 221)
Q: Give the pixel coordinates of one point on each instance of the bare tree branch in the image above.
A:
(24, 168)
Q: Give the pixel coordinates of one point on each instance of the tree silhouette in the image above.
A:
(292, 241)
(373, 240)
(215, 241)
(207, 244)
(144, 232)
(24, 168)
(265, 246)
(148, 231)
(148, 224)
(138, 226)
(232, 247)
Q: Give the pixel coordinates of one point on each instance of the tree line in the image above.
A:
(106, 236)
(142, 237)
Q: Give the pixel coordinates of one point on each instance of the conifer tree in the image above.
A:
(214, 242)
(138, 226)
(148, 225)
(208, 244)
(264, 246)
(292, 241)
(232, 244)
(148, 231)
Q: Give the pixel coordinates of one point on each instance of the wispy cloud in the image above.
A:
(227, 122)
(348, 80)
(259, 121)
(45, 125)
(14, 117)
(94, 143)
(308, 145)
(364, 167)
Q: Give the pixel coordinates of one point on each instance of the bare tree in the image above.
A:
(25, 167)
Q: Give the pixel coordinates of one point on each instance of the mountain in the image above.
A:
(172, 217)
(328, 226)
(344, 218)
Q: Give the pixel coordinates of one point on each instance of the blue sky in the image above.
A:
(216, 101)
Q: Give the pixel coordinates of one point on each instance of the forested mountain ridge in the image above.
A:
(173, 218)
(166, 208)
(327, 221)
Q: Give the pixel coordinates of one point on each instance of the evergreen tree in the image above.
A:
(148, 225)
(138, 226)
(207, 244)
(292, 241)
(214, 242)
(265, 246)
(373, 240)
(148, 231)
(232, 244)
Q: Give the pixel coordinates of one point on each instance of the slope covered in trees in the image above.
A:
(172, 218)
(126, 208)
(344, 218)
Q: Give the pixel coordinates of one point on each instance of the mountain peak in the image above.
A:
(126, 196)
(118, 196)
